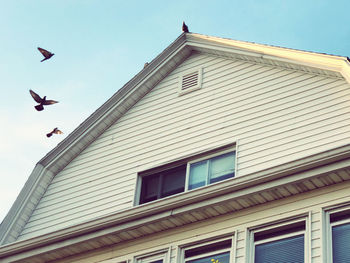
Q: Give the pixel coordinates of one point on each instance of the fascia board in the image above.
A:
(20, 203)
(299, 170)
(346, 70)
(304, 58)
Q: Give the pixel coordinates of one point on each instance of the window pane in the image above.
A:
(219, 258)
(174, 181)
(157, 261)
(341, 243)
(149, 189)
(210, 248)
(281, 251)
(198, 175)
(222, 167)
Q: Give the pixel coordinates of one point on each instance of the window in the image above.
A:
(283, 244)
(162, 184)
(186, 175)
(211, 170)
(214, 252)
(339, 236)
(160, 257)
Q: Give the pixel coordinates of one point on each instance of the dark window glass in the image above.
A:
(173, 181)
(208, 248)
(162, 184)
(282, 230)
(343, 215)
(149, 191)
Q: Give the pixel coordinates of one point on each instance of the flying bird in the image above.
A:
(41, 101)
(45, 53)
(56, 131)
(184, 27)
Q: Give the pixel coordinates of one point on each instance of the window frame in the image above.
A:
(202, 243)
(275, 227)
(153, 256)
(209, 157)
(160, 174)
(329, 227)
(186, 161)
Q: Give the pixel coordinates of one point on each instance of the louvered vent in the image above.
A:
(190, 80)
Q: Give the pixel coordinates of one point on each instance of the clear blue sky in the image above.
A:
(101, 44)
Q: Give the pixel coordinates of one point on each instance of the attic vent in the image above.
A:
(190, 81)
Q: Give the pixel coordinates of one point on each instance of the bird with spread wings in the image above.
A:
(45, 53)
(42, 101)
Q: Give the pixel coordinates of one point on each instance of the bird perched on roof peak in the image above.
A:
(54, 131)
(184, 27)
(42, 101)
(45, 53)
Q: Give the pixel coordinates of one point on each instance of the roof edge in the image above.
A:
(336, 63)
(9, 222)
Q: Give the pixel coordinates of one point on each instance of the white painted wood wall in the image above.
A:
(276, 114)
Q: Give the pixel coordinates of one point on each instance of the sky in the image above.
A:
(99, 45)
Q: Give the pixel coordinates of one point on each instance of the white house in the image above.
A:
(217, 151)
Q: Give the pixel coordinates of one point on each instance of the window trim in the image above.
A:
(209, 242)
(152, 256)
(275, 226)
(328, 240)
(202, 155)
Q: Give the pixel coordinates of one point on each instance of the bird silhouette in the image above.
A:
(45, 53)
(56, 131)
(184, 27)
(41, 101)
